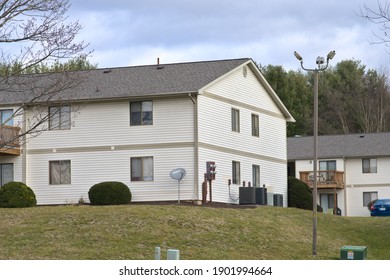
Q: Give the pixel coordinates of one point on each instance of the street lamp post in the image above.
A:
(319, 61)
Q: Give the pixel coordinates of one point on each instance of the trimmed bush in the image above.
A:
(299, 194)
(17, 195)
(109, 193)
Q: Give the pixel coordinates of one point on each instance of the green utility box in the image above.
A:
(353, 253)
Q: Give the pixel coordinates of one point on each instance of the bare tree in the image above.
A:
(33, 32)
(381, 17)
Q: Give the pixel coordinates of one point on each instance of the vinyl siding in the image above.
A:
(271, 174)
(89, 168)
(355, 175)
(101, 143)
(108, 124)
(359, 182)
(219, 143)
(355, 198)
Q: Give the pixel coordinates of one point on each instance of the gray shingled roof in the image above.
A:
(146, 80)
(338, 146)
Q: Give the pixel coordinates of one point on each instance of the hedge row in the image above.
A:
(18, 195)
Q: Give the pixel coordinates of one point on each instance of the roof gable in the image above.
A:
(268, 89)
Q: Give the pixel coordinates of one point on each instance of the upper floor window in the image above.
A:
(142, 169)
(59, 172)
(235, 120)
(327, 168)
(59, 117)
(255, 125)
(6, 117)
(369, 165)
(141, 113)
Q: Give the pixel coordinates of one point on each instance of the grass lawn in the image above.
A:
(203, 233)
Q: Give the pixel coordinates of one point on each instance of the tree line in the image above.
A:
(352, 98)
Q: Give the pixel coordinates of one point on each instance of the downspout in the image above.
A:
(196, 148)
(24, 146)
(345, 187)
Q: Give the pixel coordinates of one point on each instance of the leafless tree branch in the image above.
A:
(34, 32)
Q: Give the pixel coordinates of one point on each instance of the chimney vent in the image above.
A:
(158, 64)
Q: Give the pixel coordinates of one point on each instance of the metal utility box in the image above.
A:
(247, 195)
(278, 200)
(173, 254)
(261, 196)
(270, 198)
(353, 253)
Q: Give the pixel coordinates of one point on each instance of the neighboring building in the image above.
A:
(353, 169)
(136, 124)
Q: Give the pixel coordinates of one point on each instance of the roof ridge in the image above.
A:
(172, 63)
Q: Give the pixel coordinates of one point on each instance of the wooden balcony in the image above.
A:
(9, 140)
(330, 179)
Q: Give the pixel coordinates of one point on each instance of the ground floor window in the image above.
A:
(142, 169)
(368, 197)
(256, 175)
(236, 179)
(327, 201)
(60, 172)
(6, 173)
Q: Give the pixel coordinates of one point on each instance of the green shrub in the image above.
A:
(17, 195)
(299, 194)
(109, 193)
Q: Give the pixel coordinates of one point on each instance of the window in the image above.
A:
(142, 169)
(330, 167)
(368, 197)
(256, 175)
(235, 120)
(59, 172)
(369, 165)
(6, 117)
(6, 173)
(327, 201)
(255, 125)
(141, 113)
(236, 173)
(59, 117)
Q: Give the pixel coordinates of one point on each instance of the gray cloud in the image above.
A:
(136, 32)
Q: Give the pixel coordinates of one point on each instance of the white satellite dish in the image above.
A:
(178, 174)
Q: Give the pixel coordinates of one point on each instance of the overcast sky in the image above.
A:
(132, 32)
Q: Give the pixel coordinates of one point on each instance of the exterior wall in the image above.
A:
(350, 200)
(100, 144)
(307, 165)
(89, 168)
(17, 161)
(108, 124)
(359, 182)
(219, 143)
(355, 197)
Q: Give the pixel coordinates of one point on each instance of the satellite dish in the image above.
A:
(178, 174)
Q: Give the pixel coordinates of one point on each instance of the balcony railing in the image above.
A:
(325, 179)
(9, 140)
